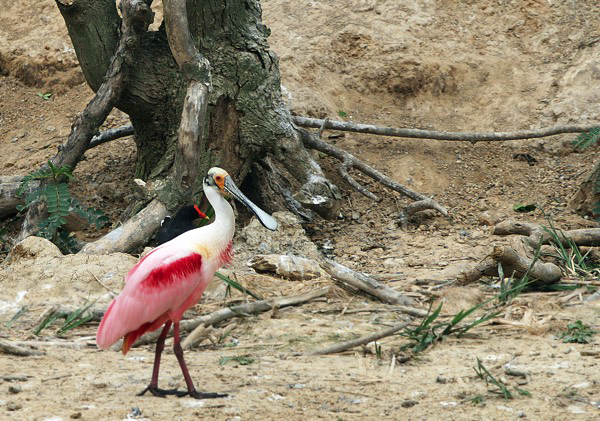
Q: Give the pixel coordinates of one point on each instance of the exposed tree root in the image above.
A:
(582, 237)
(512, 262)
(132, 234)
(349, 160)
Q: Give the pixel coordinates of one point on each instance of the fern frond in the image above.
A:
(91, 215)
(585, 140)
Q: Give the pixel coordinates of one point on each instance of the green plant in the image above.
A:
(14, 318)
(342, 113)
(240, 359)
(587, 139)
(4, 244)
(524, 208)
(72, 320)
(478, 400)
(510, 288)
(572, 261)
(428, 332)
(378, 351)
(53, 190)
(75, 319)
(485, 375)
(233, 284)
(578, 333)
(45, 96)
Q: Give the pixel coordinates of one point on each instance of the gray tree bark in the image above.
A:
(246, 117)
(587, 199)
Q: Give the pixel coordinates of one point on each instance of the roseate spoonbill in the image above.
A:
(171, 279)
(182, 221)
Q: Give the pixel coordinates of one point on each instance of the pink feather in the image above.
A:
(161, 287)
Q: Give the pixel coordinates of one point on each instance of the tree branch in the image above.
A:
(136, 18)
(196, 69)
(440, 135)
(110, 135)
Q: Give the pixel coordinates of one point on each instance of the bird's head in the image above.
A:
(216, 178)
(219, 180)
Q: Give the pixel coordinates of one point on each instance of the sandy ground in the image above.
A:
(468, 66)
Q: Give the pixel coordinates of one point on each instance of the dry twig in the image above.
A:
(344, 346)
(13, 349)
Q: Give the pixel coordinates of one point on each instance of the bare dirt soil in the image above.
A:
(490, 65)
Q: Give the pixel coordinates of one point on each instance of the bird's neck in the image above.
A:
(224, 216)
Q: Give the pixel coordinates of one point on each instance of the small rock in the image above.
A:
(441, 379)
(409, 403)
(13, 406)
(75, 415)
(14, 389)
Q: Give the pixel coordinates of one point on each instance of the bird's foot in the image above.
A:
(162, 393)
(199, 395)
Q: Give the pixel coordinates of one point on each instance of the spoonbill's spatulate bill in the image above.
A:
(171, 279)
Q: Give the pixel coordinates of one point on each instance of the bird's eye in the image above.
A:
(218, 178)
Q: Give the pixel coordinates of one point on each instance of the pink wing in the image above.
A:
(155, 290)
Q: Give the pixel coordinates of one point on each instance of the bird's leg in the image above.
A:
(186, 375)
(153, 386)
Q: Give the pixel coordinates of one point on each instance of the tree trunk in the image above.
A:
(246, 117)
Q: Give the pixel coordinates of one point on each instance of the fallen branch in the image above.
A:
(441, 135)
(13, 349)
(411, 311)
(344, 346)
(364, 283)
(512, 261)
(241, 310)
(349, 160)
